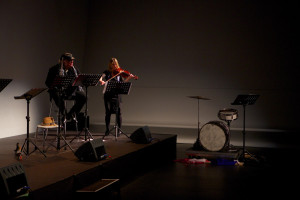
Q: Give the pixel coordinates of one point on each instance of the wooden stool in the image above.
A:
(45, 132)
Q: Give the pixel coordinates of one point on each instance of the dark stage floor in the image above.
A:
(274, 173)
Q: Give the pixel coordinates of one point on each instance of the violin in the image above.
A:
(123, 73)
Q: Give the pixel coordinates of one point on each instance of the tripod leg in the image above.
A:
(116, 132)
(27, 141)
(87, 134)
(66, 143)
(23, 146)
(76, 126)
(36, 148)
(65, 132)
(121, 132)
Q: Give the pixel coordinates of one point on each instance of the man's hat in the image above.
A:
(67, 56)
(48, 121)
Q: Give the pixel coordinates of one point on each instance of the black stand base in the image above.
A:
(247, 157)
(87, 135)
(197, 145)
(117, 132)
(26, 150)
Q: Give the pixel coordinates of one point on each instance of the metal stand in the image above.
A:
(117, 130)
(230, 147)
(117, 88)
(86, 80)
(28, 96)
(197, 144)
(60, 83)
(228, 115)
(244, 100)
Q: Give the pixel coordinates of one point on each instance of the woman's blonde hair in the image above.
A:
(111, 62)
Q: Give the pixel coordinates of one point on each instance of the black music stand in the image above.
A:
(28, 96)
(117, 88)
(86, 80)
(244, 100)
(4, 83)
(60, 83)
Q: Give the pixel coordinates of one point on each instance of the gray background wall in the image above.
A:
(215, 49)
(33, 35)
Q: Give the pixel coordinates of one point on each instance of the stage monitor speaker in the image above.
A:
(13, 181)
(141, 135)
(92, 150)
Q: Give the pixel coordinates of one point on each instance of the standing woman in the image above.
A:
(111, 99)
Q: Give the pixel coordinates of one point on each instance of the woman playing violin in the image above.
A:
(113, 73)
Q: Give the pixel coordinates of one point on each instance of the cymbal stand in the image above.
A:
(197, 145)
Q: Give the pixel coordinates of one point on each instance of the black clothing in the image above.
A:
(70, 93)
(111, 100)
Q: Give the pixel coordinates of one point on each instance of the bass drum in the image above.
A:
(214, 136)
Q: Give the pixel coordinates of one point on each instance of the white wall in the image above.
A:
(215, 49)
(33, 36)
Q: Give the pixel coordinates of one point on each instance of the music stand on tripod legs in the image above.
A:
(117, 88)
(244, 100)
(28, 96)
(86, 80)
(61, 83)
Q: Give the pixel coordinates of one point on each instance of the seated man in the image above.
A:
(65, 68)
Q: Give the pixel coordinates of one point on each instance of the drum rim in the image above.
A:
(229, 109)
(233, 112)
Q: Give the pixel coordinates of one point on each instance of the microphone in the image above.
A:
(61, 70)
(75, 72)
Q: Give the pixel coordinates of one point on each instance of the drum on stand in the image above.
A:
(214, 136)
(228, 114)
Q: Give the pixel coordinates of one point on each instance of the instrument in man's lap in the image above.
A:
(228, 114)
(214, 136)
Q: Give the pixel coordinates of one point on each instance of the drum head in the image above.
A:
(212, 137)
